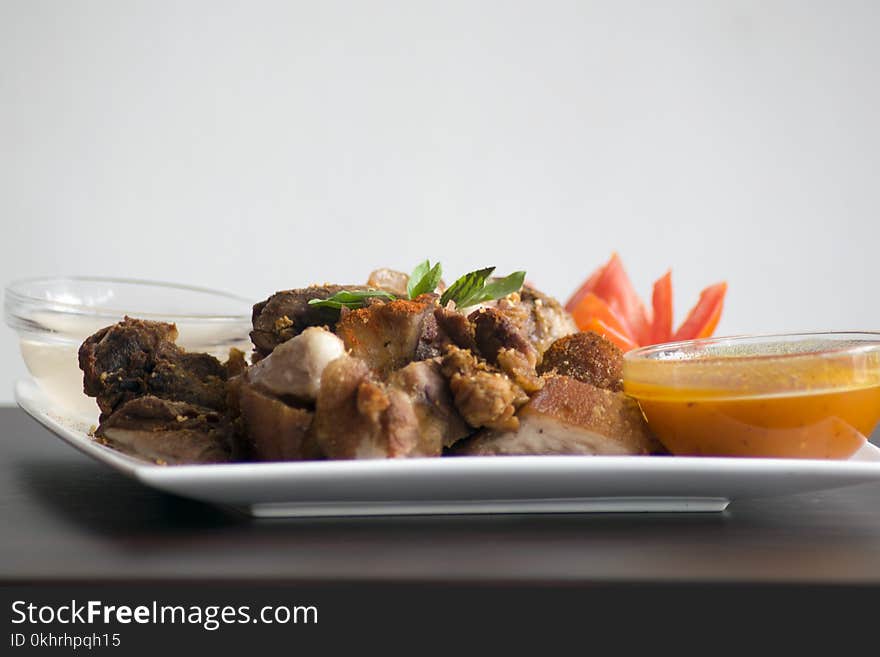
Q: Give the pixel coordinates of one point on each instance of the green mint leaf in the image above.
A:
(466, 288)
(500, 288)
(423, 279)
(416, 277)
(350, 299)
(426, 282)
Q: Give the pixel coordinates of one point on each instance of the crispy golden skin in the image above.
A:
(570, 417)
(587, 357)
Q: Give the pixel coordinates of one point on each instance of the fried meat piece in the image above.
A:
(358, 416)
(570, 417)
(428, 390)
(389, 335)
(485, 397)
(502, 343)
(494, 330)
(540, 318)
(587, 357)
(454, 328)
(134, 358)
(169, 432)
(273, 430)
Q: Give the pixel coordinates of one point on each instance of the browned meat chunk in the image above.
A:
(359, 417)
(540, 318)
(570, 417)
(502, 343)
(485, 397)
(292, 372)
(387, 336)
(428, 390)
(494, 331)
(286, 314)
(275, 431)
(587, 357)
(454, 328)
(168, 431)
(134, 358)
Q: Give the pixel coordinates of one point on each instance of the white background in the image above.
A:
(256, 146)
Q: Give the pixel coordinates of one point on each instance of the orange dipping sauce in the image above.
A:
(796, 396)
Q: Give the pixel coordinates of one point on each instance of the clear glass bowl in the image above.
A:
(52, 317)
(804, 395)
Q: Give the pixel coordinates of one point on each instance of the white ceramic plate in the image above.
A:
(511, 484)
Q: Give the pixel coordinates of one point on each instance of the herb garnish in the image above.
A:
(424, 279)
(350, 299)
(471, 289)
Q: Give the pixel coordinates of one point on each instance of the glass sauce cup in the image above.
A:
(805, 395)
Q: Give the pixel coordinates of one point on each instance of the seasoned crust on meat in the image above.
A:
(587, 357)
(389, 335)
(570, 417)
(485, 397)
(134, 358)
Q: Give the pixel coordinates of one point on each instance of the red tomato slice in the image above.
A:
(703, 317)
(621, 340)
(661, 300)
(586, 287)
(592, 307)
(617, 290)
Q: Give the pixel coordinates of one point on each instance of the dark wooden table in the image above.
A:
(63, 517)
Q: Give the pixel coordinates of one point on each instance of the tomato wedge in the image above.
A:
(661, 301)
(608, 304)
(615, 287)
(703, 317)
(621, 340)
(588, 286)
(592, 307)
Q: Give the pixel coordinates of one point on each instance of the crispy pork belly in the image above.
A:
(570, 417)
(168, 431)
(134, 358)
(359, 417)
(539, 317)
(501, 342)
(494, 330)
(587, 357)
(428, 390)
(287, 314)
(484, 396)
(273, 430)
(293, 370)
(389, 335)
